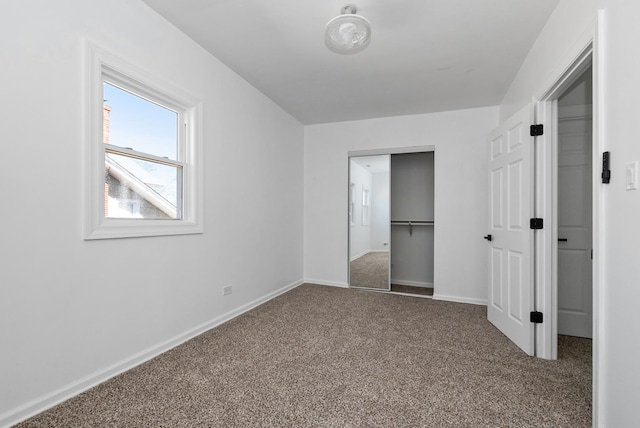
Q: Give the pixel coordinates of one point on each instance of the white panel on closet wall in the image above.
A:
(412, 186)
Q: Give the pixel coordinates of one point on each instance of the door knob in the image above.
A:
(488, 238)
(562, 239)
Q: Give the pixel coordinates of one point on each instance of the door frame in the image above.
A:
(587, 51)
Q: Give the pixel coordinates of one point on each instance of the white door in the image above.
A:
(574, 227)
(511, 245)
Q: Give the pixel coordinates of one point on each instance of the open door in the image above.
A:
(511, 286)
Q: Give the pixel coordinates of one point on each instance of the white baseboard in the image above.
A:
(68, 391)
(459, 299)
(357, 256)
(412, 283)
(364, 253)
(329, 283)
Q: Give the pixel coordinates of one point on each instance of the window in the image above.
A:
(143, 153)
(141, 142)
(365, 206)
(352, 204)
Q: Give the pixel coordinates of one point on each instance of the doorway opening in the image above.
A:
(391, 221)
(574, 208)
(542, 189)
(544, 211)
(569, 193)
(574, 220)
(568, 196)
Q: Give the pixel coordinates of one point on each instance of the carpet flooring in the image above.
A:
(370, 271)
(324, 356)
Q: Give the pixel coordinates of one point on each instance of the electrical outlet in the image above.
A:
(227, 290)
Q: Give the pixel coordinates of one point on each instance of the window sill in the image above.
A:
(123, 228)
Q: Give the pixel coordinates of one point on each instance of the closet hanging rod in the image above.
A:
(413, 222)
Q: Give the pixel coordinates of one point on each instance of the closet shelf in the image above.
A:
(412, 223)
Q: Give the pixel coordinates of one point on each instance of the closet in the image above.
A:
(391, 222)
(412, 222)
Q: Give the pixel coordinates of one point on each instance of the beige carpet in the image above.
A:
(323, 356)
(370, 271)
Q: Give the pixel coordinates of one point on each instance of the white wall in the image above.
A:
(621, 318)
(380, 212)
(412, 187)
(564, 31)
(74, 311)
(360, 234)
(460, 195)
(619, 342)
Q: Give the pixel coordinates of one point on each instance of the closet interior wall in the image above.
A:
(412, 219)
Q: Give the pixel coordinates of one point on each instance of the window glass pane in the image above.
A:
(136, 123)
(136, 188)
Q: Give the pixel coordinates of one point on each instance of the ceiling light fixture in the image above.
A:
(347, 33)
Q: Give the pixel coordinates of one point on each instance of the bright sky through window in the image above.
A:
(140, 124)
(148, 129)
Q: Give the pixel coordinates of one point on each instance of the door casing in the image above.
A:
(546, 182)
(587, 51)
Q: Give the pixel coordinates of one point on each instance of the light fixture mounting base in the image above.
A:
(349, 9)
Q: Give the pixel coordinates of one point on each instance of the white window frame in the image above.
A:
(366, 203)
(101, 64)
(352, 204)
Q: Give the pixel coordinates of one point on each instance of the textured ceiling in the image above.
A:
(425, 55)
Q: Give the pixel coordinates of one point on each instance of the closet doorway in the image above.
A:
(391, 221)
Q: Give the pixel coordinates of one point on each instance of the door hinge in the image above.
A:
(536, 223)
(606, 172)
(536, 317)
(536, 130)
